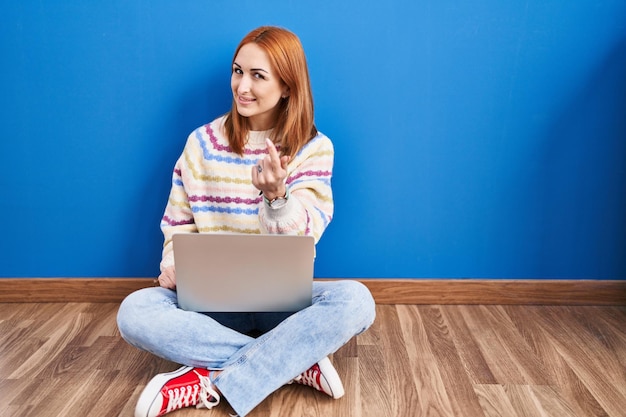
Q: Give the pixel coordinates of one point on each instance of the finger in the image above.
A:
(273, 153)
(162, 281)
(168, 282)
(284, 161)
(167, 279)
(254, 172)
(259, 174)
(260, 168)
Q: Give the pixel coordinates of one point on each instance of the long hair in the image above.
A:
(295, 123)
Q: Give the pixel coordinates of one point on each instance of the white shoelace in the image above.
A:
(209, 398)
(203, 394)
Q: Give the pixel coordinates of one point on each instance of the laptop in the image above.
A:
(243, 272)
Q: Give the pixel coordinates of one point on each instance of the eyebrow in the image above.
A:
(253, 69)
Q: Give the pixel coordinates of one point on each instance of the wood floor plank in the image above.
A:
(551, 403)
(65, 399)
(128, 400)
(550, 360)
(49, 351)
(538, 401)
(615, 316)
(28, 400)
(520, 353)
(567, 383)
(510, 359)
(16, 348)
(346, 361)
(347, 366)
(100, 321)
(463, 337)
(8, 311)
(403, 395)
(590, 360)
(373, 368)
(385, 373)
(73, 360)
(118, 387)
(525, 402)
(613, 338)
(432, 394)
(493, 350)
(16, 392)
(458, 385)
(494, 400)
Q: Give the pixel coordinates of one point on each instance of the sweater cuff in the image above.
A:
(279, 214)
(167, 260)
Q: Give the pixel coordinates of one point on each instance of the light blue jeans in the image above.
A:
(252, 368)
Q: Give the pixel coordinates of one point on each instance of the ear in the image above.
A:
(285, 93)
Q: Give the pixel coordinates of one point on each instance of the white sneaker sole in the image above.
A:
(332, 378)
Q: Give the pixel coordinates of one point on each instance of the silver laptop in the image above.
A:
(243, 272)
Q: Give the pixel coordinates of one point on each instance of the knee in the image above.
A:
(358, 301)
(367, 303)
(126, 313)
(136, 309)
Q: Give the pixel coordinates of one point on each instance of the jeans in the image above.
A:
(252, 368)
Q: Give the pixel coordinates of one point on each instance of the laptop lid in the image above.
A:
(243, 272)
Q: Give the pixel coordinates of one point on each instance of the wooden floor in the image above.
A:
(465, 361)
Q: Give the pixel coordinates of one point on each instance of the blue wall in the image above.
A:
(473, 139)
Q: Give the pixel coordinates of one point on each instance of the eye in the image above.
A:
(237, 70)
(259, 76)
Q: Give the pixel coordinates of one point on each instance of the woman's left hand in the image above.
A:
(269, 174)
(167, 279)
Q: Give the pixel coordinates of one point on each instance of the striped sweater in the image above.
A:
(212, 189)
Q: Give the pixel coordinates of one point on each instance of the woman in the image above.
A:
(261, 168)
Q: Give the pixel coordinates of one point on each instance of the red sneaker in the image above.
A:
(323, 377)
(171, 391)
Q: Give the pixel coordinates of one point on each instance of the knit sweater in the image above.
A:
(212, 189)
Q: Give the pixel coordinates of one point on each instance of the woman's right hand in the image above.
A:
(167, 279)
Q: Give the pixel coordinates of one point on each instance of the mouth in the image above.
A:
(245, 100)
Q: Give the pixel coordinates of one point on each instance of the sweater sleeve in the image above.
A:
(178, 217)
(310, 206)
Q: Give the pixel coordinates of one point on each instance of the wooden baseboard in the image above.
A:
(385, 291)
(498, 291)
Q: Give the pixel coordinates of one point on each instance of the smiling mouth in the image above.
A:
(245, 100)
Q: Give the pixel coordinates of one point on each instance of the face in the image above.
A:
(256, 87)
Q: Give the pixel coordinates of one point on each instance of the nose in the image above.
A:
(244, 85)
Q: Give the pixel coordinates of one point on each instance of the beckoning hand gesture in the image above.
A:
(269, 174)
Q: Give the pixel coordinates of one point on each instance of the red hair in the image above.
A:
(294, 125)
